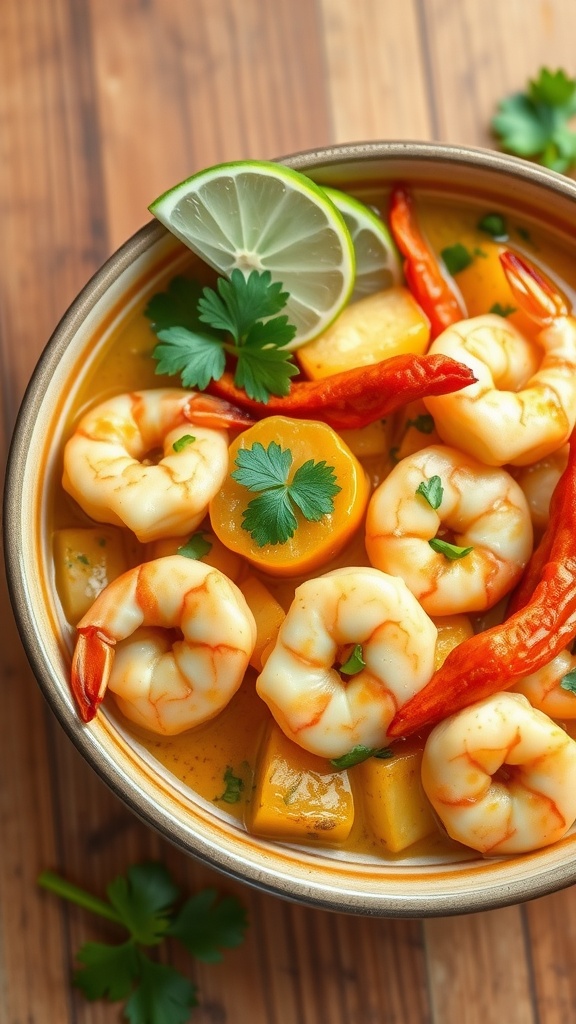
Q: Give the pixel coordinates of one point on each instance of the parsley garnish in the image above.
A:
(183, 442)
(240, 314)
(534, 123)
(502, 310)
(143, 902)
(451, 551)
(494, 224)
(233, 786)
(270, 518)
(196, 547)
(568, 682)
(432, 491)
(358, 754)
(456, 258)
(354, 663)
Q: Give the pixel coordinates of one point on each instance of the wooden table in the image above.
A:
(103, 105)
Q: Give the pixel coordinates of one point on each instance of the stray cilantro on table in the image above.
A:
(199, 328)
(270, 518)
(143, 903)
(432, 491)
(358, 754)
(354, 663)
(536, 123)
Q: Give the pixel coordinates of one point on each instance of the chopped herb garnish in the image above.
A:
(142, 902)
(358, 754)
(432, 491)
(569, 681)
(183, 442)
(477, 251)
(451, 551)
(456, 258)
(535, 123)
(502, 310)
(355, 663)
(196, 547)
(83, 558)
(424, 423)
(494, 224)
(241, 323)
(233, 786)
(270, 518)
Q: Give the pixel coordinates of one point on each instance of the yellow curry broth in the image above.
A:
(201, 757)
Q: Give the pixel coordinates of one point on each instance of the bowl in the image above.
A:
(409, 887)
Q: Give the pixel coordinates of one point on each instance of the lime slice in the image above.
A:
(378, 264)
(264, 216)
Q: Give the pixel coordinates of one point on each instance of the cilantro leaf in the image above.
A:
(262, 369)
(162, 996)
(568, 682)
(196, 547)
(432, 491)
(233, 787)
(456, 258)
(494, 224)
(241, 301)
(205, 925)
(500, 310)
(107, 972)
(143, 899)
(358, 754)
(354, 663)
(451, 551)
(535, 123)
(176, 307)
(270, 518)
(199, 358)
(312, 489)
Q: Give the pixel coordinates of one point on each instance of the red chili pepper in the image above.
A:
(421, 267)
(355, 398)
(527, 640)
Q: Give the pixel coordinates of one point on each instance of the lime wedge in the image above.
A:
(378, 264)
(264, 216)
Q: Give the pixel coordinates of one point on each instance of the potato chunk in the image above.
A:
(396, 807)
(86, 560)
(384, 324)
(298, 796)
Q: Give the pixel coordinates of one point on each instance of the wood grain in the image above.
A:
(104, 104)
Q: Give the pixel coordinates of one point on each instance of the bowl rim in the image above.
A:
(303, 889)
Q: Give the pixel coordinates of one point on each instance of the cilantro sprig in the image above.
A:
(271, 518)
(143, 903)
(536, 123)
(199, 328)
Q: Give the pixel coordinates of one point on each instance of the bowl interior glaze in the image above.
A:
(326, 879)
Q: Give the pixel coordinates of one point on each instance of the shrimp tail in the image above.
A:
(91, 667)
(216, 413)
(535, 295)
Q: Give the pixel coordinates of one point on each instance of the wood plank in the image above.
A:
(377, 71)
(551, 930)
(178, 93)
(478, 969)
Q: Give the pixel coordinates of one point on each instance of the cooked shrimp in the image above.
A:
(523, 406)
(543, 689)
(480, 508)
(163, 683)
(110, 469)
(538, 481)
(501, 776)
(301, 682)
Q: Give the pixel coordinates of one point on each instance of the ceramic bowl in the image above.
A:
(410, 887)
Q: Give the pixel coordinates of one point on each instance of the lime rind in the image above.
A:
(378, 262)
(264, 216)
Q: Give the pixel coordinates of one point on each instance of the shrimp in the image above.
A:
(330, 615)
(501, 776)
(538, 482)
(523, 405)
(128, 643)
(542, 688)
(479, 509)
(110, 469)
